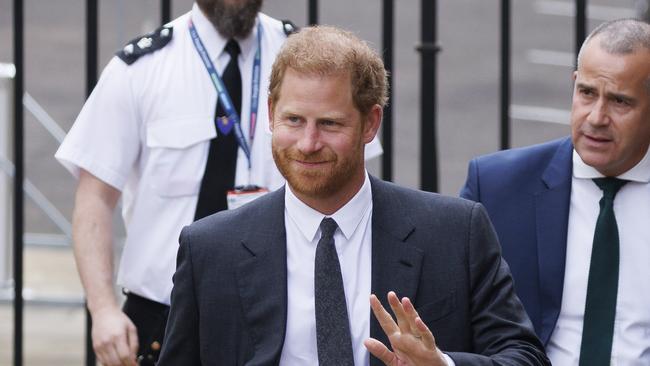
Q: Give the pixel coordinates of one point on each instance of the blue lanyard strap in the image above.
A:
(224, 97)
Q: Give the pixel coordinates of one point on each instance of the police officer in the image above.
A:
(177, 119)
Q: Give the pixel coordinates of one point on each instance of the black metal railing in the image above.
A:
(19, 165)
(428, 49)
(388, 20)
(312, 12)
(165, 11)
(581, 25)
(504, 101)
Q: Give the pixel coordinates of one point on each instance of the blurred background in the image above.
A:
(542, 59)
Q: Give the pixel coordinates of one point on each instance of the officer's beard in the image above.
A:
(231, 18)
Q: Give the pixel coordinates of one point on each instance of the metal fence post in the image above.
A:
(581, 25)
(165, 11)
(312, 12)
(18, 203)
(428, 85)
(505, 74)
(387, 123)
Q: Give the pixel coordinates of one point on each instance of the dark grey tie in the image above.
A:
(332, 326)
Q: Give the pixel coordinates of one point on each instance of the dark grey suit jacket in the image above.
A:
(229, 302)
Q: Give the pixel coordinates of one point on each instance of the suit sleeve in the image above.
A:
(181, 342)
(502, 331)
(470, 190)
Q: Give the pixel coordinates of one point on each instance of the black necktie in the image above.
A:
(600, 307)
(219, 176)
(332, 326)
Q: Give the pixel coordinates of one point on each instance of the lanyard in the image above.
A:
(224, 97)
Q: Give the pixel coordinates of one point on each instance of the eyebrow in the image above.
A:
(582, 85)
(335, 118)
(627, 98)
(332, 118)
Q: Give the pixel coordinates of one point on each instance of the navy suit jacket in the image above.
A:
(527, 192)
(229, 302)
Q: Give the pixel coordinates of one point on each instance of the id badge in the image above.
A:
(243, 194)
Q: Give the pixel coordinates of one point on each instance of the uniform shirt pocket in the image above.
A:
(178, 151)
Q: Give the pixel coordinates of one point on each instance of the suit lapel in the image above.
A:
(552, 216)
(262, 279)
(395, 264)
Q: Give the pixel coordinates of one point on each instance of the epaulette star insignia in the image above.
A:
(289, 28)
(143, 45)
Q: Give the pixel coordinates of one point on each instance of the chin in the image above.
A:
(308, 184)
(597, 161)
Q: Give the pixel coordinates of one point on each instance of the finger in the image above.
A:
(104, 351)
(398, 310)
(383, 317)
(126, 358)
(132, 339)
(411, 314)
(427, 337)
(102, 356)
(379, 350)
(112, 356)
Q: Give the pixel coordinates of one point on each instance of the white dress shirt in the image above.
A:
(353, 240)
(631, 342)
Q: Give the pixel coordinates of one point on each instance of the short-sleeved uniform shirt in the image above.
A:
(146, 130)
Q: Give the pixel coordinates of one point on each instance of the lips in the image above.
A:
(597, 138)
(309, 160)
(596, 141)
(311, 164)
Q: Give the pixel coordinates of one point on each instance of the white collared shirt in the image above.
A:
(353, 240)
(631, 343)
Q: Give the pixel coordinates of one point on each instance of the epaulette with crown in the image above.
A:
(143, 45)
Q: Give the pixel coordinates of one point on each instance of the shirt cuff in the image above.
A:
(448, 360)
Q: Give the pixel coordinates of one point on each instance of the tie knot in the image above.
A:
(328, 227)
(232, 47)
(610, 186)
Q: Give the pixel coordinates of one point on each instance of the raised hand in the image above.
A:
(412, 342)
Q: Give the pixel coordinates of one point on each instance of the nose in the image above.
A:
(598, 114)
(309, 141)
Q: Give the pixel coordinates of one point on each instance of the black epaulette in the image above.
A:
(289, 28)
(148, 43)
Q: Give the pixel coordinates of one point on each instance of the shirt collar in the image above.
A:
(347, 217)
(215, 43)
(639, 173)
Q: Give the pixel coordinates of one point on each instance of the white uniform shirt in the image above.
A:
(146, 130)
(631, 342)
